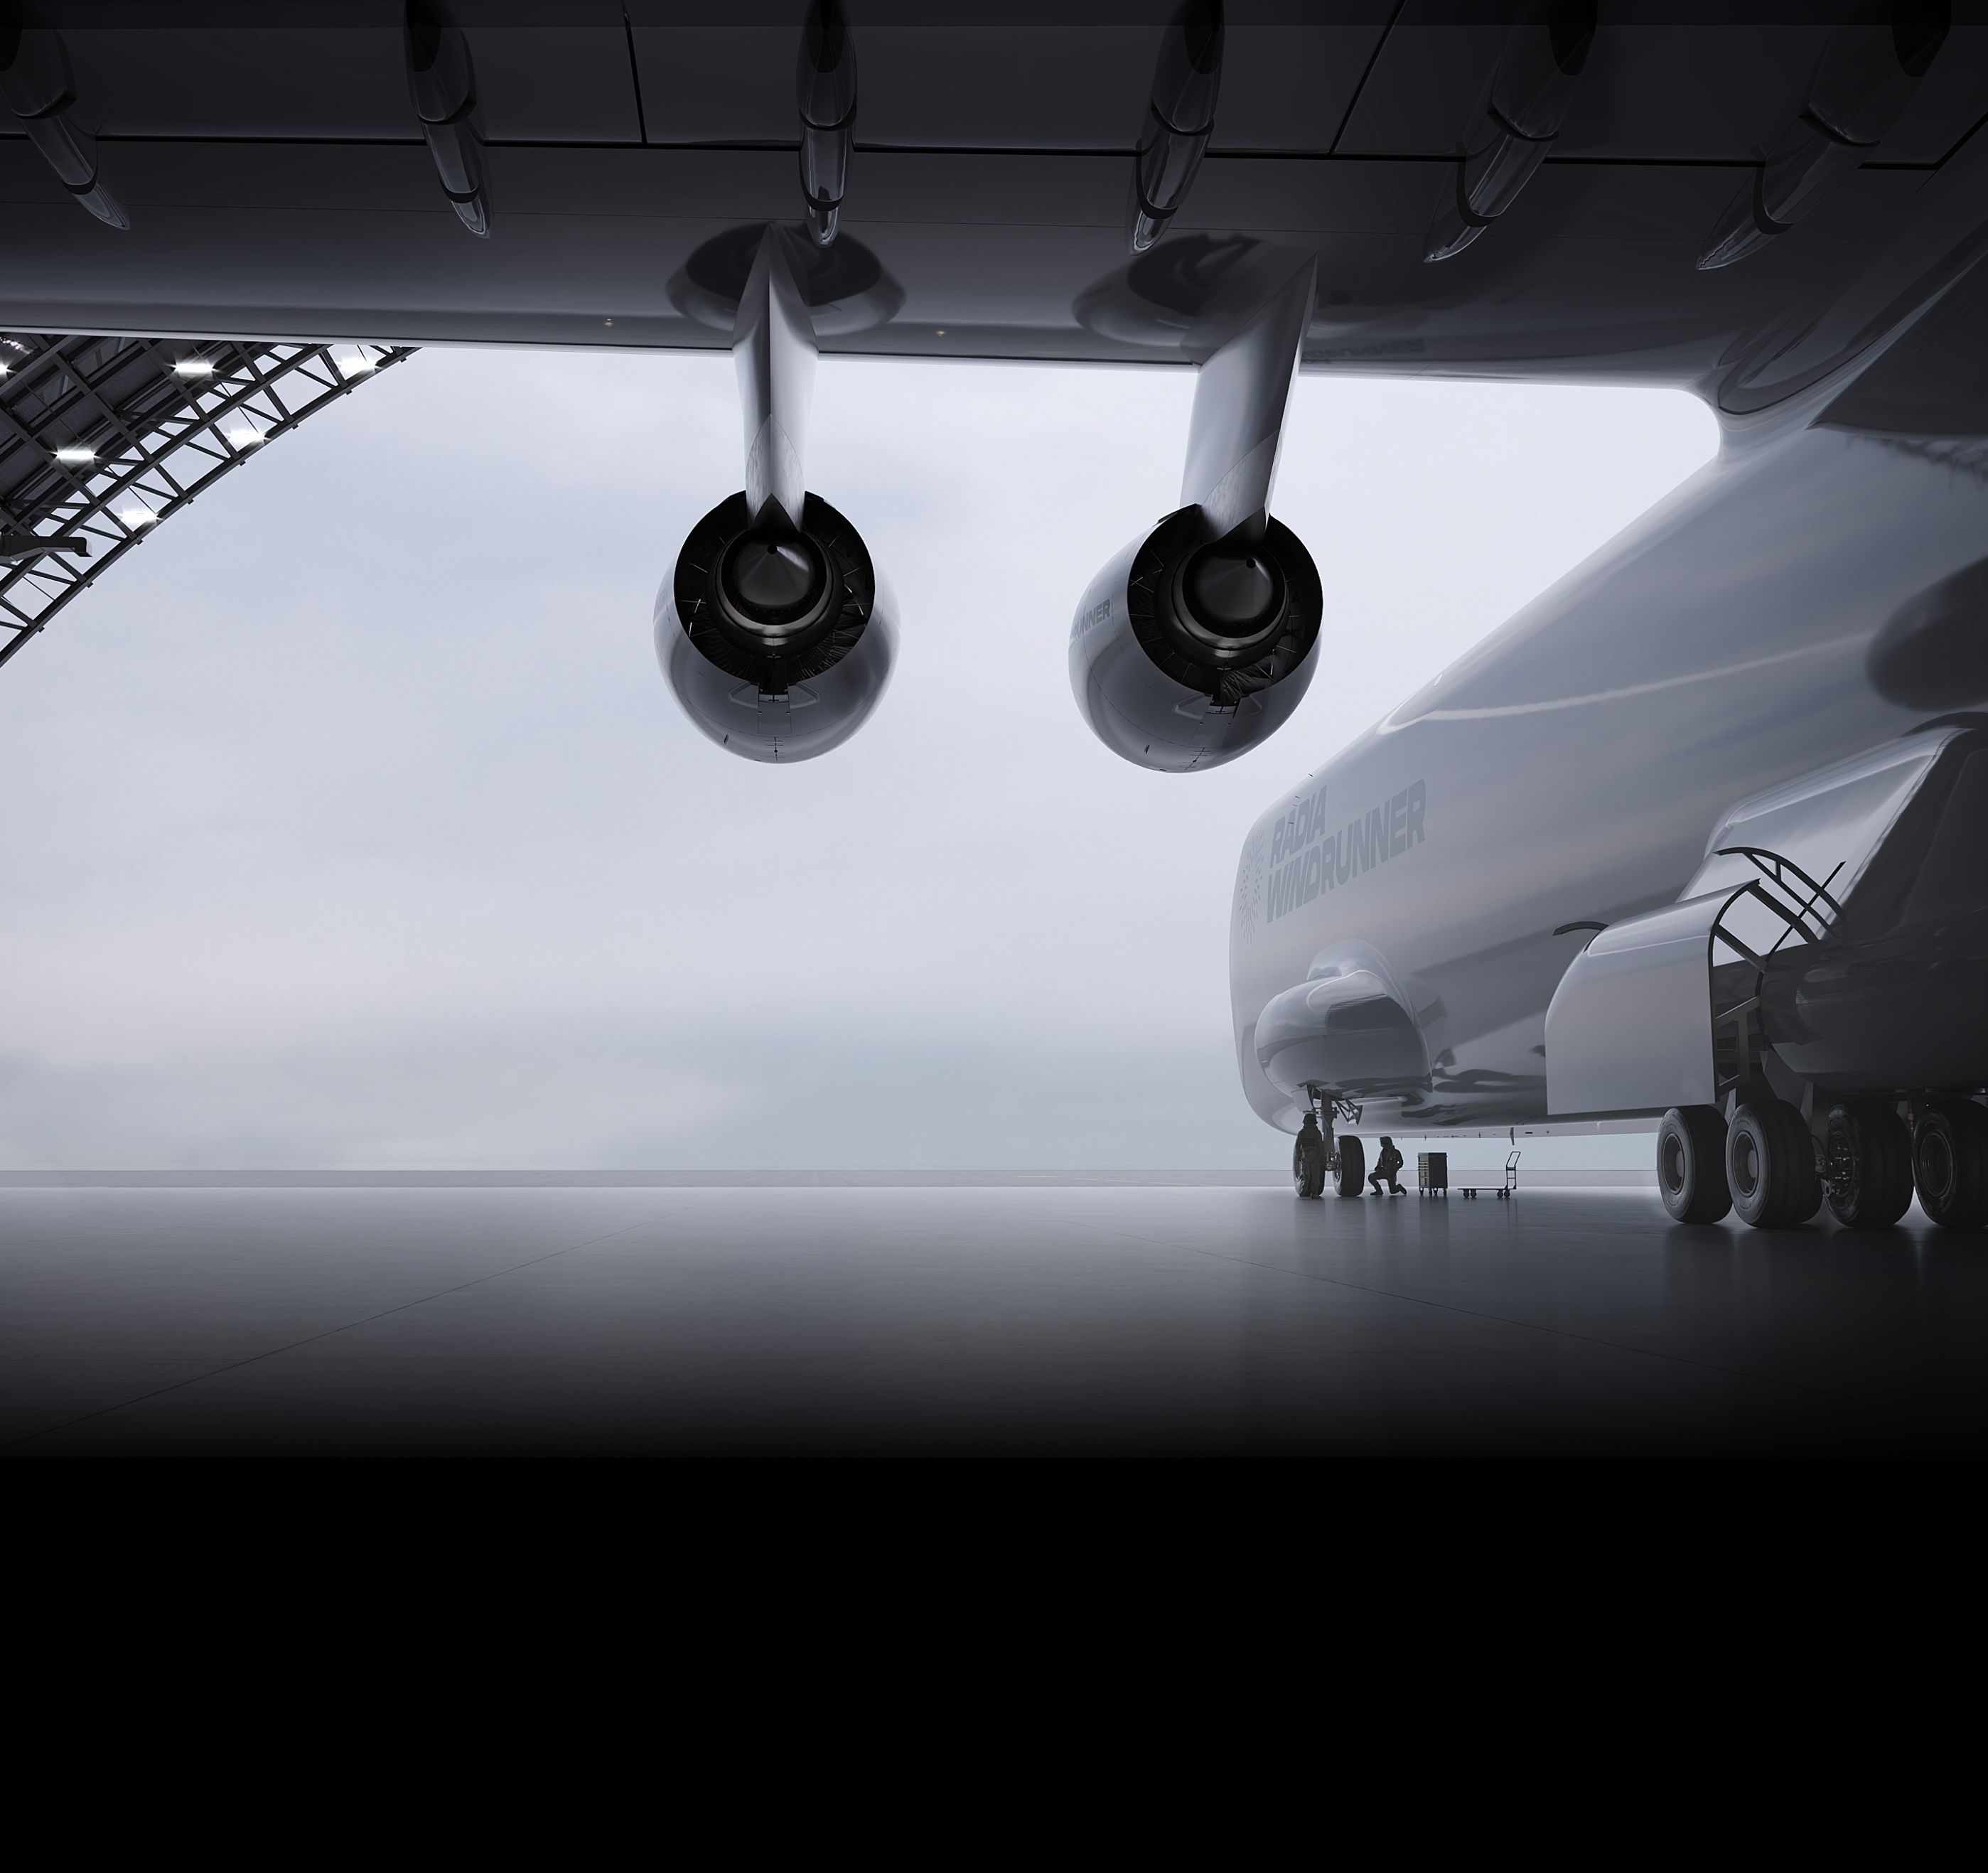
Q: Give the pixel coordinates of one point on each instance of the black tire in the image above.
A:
(1352, 1168)
(1308, 1168)
(1691, 1165)
(1770, 1165)
(1868, 1164)
(1950, 1163)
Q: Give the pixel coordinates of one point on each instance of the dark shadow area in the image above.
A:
(846, 286)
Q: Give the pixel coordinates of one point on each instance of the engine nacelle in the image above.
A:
(1188, 651)
(778, 642)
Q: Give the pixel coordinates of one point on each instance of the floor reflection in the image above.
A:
(934, 1321)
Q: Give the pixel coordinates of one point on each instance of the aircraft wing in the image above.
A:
(294, 172)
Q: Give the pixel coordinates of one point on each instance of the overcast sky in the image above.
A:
(352, 823)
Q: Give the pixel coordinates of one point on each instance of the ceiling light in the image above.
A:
(355, 367)
(75, 458)
(194, 367)
(246, 438)
(137, 517)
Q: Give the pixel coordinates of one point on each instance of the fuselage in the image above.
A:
(1570, 768)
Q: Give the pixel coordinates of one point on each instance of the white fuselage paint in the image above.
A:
(1572, 765)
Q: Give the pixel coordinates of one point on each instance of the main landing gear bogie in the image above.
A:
(1949, 1163)
(1762, 1165)
(1691, 1165)
(1867, 1165)
(1769, 1167)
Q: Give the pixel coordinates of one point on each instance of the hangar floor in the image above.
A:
(543, 1321)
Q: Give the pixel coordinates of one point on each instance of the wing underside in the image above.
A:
(280, 183)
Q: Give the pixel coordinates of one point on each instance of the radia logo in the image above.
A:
(1309, 860)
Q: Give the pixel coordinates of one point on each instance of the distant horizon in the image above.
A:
(774, 1177)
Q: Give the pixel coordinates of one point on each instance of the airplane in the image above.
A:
(1693, 845)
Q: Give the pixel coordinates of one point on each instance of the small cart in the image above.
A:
(1510, 1184)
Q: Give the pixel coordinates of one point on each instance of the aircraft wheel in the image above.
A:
(1352, 1168)
(1770, 1165)
(1691, 1165)
(1950, 1163)
(1867, 1165)
(1308, 1168)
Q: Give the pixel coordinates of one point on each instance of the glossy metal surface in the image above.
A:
(1180, 117)
(775, 631)
(1195, 643)
(1159, 689)
(773, 352)
(38, 85)
(1743, 633)
(278, 182)
(1691, 664)
(1057, 1321)
(1831, 821)
(1350, 1026)
(1241, 393)
(805, 718)
(1513, 130)
(825, 89)
(1629, 1029)
(1864, 80)
(441, 84)
(1897, 994)
(1811, 595)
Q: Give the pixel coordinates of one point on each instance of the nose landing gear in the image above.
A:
(1308, 1156)
(1352, 1181)
(1317, 1156)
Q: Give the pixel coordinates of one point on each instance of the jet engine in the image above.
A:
(1188, 651)
(1198, 640)
(778, 640)
(773, 627)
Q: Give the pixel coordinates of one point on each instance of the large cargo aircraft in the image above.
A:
(1697, 842)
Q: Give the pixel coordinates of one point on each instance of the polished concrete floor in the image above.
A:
(178, 1322)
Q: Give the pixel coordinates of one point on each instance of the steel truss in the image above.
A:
(103, 438)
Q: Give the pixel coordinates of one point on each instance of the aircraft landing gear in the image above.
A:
(1950, 1163)
(1317, 1156)
(1770, 1165)
(1352, 1181)
(1308, 1160)
(1867, 1178)
(1691, 1165)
